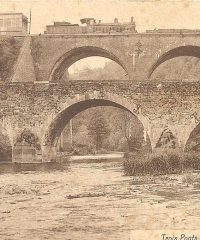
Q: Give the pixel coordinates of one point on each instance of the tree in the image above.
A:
(98, 129)
(133, 132)
(111, 71)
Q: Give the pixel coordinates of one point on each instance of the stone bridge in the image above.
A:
(46, 57)
(36, 101)
(138, 54)
(45, 108)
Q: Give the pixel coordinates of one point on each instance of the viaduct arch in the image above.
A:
(186, 51)
(76, 54)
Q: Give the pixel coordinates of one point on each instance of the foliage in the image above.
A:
(193, 143)
(167, 140)
(5, 148)
(110, 71)
(116, 140)
(191, 178)
(9, 51)
(161, 162)
(98, 129)
(29, 138)
(133, 133)
(187, 68)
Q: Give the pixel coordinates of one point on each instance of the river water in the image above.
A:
(93, 201)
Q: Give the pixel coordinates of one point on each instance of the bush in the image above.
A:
(191, 161)
(188, 178)
(161, 162)
(29, 138)
(81, 149)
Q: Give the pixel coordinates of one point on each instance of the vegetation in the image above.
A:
(27, 137)
(118, 138)
(111, 71)
(98, 129)
(5, 148)
(187, 69)
(171, 161)
(36, 51)
(9, 51)
(191, 178)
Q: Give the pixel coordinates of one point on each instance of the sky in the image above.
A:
(148, 14)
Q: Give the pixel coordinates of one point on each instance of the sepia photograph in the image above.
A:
(99, 119)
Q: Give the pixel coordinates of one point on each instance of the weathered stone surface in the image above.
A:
(45, 109)
(139, 54)
(24, 154)
(24, 58)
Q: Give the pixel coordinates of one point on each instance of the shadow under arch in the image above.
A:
(167, 140)
(76, 54)
(193, 141)
(182, 51)
(59, 122)
(5, 147)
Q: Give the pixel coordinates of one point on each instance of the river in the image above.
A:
(93, 201)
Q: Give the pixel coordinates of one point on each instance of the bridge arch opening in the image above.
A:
(167, 140)
(5, 148)
(56, 127)
(95, 69)
(193, 142)
(77, 54)
(187, 54)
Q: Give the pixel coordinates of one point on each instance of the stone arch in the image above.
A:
(76, 54)
(181, 51)
(77, 105)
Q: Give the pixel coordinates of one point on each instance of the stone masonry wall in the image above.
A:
(137, 52)
(34, 106)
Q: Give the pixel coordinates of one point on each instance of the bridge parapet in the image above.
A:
(150, 86)
(81, 86)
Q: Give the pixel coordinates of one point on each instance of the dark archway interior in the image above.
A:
(183, 51)
(65, 116)
(167, 140)
(5, 148)
(193, 142)
(77, 54)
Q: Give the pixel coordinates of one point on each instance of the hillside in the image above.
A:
(9, 51)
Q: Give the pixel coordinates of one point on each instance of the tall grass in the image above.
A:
(161, 162)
